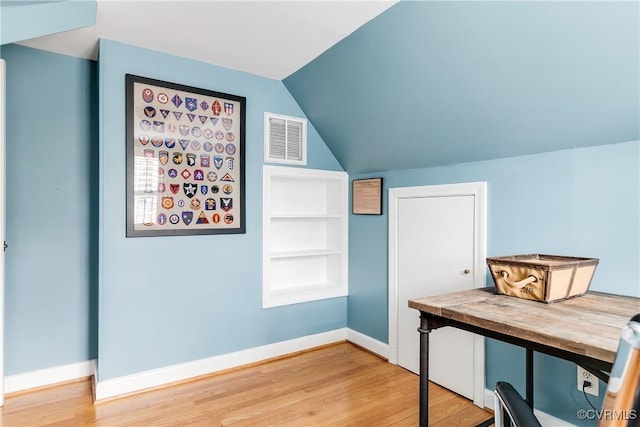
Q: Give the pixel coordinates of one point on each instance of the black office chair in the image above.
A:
(621, 406)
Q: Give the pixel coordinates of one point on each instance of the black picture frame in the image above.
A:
(366, 196)
(185, 164)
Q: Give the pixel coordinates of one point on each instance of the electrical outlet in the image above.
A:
(583, 376)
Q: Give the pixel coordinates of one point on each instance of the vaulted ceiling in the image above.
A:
(420, 84)
(436, 83)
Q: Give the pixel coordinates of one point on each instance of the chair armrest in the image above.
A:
(516, 407)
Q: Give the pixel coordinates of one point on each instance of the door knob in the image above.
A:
(467, 271)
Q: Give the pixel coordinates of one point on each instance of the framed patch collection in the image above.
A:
(185, 159)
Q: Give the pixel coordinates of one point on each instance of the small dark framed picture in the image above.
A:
(367, 196)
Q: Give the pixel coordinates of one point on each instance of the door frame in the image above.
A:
(3, 96)
(479, 191)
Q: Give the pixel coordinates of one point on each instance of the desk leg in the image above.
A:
(529, 378)
(424, 370)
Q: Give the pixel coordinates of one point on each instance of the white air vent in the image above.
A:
(285, 139)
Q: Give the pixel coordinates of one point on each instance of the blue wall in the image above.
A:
(582, 202)
(168, 300)
(51, 286)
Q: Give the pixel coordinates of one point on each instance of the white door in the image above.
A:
(438, 247)
(2, 223)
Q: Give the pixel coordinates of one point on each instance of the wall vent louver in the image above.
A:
(285, 139)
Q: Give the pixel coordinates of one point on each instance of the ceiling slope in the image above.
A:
(436, 83)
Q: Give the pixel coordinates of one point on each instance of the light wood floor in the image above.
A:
(337, 385)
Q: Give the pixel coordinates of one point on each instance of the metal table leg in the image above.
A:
(424, 370)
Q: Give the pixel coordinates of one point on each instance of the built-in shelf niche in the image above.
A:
(305, 235)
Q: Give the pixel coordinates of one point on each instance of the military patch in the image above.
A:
(156, 141)
(230, 149)
(177, 115)
(210, 204)
(207, 146)
(190, 104)
(198, 175)
(172, 173)
(172, 127)
(164, 113)
(160, 172)
(147, 95)
(214, 120)
(158, 126)
(203, 119)
(149, 153)
(227, 123)
(181, 203)
(174, 219)
(195, 145)
(177, 101)
(191, 116)
(162, 219)
(144, 139)
(149, 111)
(196, 131)
(167, 202)
(230, 136)
(219, 147)
(184, 143)
(217, 161)
(228, 108)
(145, 124)
(161, 187)
(228, 219)
(226, 203)
(219, 135)
(184, 130)
(204, 105)
(216, 108)
(212, 176)
(174, 188)
(190, 189)
(170, 142)
(208, 133)
(227, 178)
(163, 157)
(191, 159)
(162, 98)
(202, 219)
(177, 158)
(204, 189)
(205, 160)
(215, 218)
(215, 189)
(187, 217)
(227, 189)
(185, 174)
(195, 204)
(230, 163)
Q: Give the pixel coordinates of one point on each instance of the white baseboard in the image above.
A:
(366, 342)
(162, 376)
(49, 376)
(544, 418)
(170, 374)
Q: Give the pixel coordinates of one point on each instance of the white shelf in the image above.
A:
(304, 253)
(305, 235)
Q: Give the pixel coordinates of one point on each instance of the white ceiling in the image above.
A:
(268, 38)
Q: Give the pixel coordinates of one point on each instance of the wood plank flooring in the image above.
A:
(337, 385)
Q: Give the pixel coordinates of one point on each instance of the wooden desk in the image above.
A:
(584, 330)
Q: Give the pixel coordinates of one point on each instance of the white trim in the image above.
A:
(49, 376)
(3, 235)
(368, 343)
(162, 376)
(544, 418)
(479, 191)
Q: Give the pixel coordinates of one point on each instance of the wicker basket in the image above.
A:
(545, 278)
